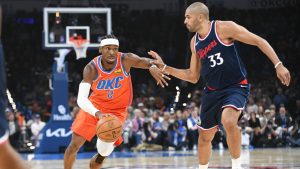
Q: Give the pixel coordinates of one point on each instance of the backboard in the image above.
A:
(61, 24)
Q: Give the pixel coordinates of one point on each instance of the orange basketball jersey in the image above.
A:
(112, 90)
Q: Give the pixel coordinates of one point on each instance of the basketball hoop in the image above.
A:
(80, 46)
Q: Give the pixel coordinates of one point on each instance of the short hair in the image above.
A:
(200, 8)
(111, 36)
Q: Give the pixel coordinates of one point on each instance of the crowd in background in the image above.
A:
(155, 120)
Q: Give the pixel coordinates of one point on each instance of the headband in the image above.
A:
(109, 41)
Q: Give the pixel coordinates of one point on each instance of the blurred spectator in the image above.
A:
(260, 112)
(279, 98)
(251, 106)
(130, 112)
(254, 123)
(166, 122)
(36, 127)
(245, 139)
(283, 122)
(127, 132)
(137, 123)
(272, 112)
(151, 105)
(193, 128)
(141, 106)
(14, 129)
(294, 139)
(181, 131)
(151, 138)
(269, 138)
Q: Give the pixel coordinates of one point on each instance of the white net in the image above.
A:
(80, 47)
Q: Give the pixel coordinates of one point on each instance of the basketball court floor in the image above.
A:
(279, 158)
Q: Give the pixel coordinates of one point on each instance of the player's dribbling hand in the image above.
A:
(101, 115)
(283, 75)
(160, 77)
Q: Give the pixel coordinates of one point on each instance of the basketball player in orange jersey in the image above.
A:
(215, 57)
(9, 158)
(109, 79)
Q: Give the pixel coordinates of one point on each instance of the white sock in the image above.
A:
(203, 166)
(236, 163)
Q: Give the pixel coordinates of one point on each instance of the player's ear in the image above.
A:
(202, 17)
(100, 49)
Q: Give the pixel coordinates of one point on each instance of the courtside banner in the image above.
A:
(55, 137)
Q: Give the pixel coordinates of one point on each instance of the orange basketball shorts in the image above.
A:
(85, 125)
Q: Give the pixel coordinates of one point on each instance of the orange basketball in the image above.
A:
(109, 128)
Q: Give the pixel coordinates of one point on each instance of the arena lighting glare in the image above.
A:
(184, 104)
(57, 18)
(189, 96)
(11, 100)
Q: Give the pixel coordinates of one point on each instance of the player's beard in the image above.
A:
(111, 59)
(111, 62)
(192, 27)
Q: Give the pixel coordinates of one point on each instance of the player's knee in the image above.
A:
(229, 123)
(203, 139)
(73, 147)
(104, 148)
(76, 143)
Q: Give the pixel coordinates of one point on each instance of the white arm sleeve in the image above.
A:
(82, 99)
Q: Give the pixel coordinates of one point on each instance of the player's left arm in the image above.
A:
(132, 60)
(232, 31)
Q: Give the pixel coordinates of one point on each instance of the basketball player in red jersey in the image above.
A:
(215, 57)
(9, 158)
(109, 79)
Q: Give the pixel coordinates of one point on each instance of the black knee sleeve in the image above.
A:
(98, 158)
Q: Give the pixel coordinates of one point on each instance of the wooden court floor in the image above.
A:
(279, 158)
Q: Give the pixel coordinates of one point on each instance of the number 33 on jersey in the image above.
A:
(221, 64)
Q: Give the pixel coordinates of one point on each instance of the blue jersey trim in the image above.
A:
(123, 69)
(216, 34)
(100, 65)
(94, 64)
(211, 27)
(195, 42)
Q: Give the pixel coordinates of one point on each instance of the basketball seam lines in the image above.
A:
(109, 130)
(106, 122)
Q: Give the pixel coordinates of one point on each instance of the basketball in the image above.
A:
(109, 129)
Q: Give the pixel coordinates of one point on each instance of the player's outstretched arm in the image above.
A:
(133, 60)
(231, 30)
(192, 74)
